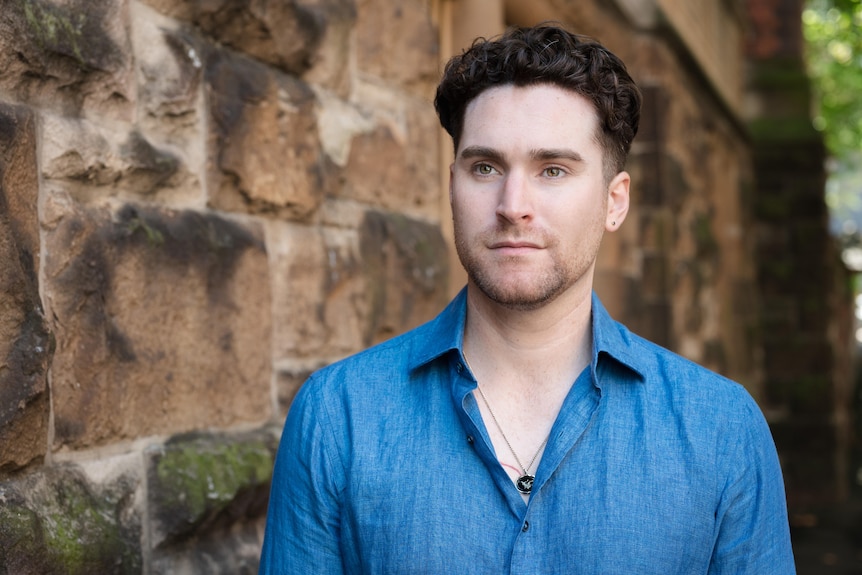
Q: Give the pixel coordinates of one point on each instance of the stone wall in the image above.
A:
(200, 202)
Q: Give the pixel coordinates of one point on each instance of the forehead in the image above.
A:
(536, 116)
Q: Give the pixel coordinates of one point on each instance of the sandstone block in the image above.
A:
(169, 65)
(25, 341)
(162, 321)
(94, 162)
(339, 122)
(57, 521)
(337, 291)
(395, 164)
(212, 489)
(264, 140)
(320, 306)
(331, 65)
(285, 34)
(69, 56)
(236, 553)
(405, 264)
(397, 42)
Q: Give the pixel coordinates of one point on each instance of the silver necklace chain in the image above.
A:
(525, 482)
(526, 469)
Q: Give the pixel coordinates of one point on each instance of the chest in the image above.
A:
(431, 496)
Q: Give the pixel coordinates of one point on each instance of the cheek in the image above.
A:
(463, 211)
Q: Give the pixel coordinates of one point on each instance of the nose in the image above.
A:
(516, 201)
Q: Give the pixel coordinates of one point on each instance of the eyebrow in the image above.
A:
(471, 152)
(556, 154)
(541, 154)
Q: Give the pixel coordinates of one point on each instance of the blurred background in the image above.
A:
(202, 202)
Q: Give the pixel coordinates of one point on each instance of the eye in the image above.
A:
(554, 172)
(484, 169)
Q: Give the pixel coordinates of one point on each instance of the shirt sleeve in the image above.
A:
(303, 519)
(753, 533)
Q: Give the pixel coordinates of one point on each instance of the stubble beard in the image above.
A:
(515, 294)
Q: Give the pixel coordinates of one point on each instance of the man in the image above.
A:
(523, 430)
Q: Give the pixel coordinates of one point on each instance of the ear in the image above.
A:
(618, 201)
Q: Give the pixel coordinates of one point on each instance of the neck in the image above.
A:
(535, 350)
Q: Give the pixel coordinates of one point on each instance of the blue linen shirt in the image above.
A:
(655, 465)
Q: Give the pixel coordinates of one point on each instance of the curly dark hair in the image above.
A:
(546, 54)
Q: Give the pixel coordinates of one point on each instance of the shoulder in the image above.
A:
(716, 422)
(658, 368)
(385, 358)
(384, 365)
(654, 360)
(384, 369)
(686, 387)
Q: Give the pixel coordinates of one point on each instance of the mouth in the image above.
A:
(514, 249)
(512, 244)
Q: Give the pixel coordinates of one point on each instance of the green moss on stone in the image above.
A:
(80, 531)
(18, 525)
(201, 478)
(59, 526)
(154, 236)
(54, 29)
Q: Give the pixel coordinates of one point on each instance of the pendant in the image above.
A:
(524, 484)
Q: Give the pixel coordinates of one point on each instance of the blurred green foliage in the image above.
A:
(833, 34)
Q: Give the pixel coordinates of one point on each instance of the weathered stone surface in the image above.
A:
(405, 265)
(397, 42)
(290, 375)
(236, 553)
(393, 164)
(337, 291)
(94, 162)
(338, 123)
(169, 63)
(169, 60)
(25, 342)
(71, 56)
(212, 487)
(331, 66)
(264, 140)
(161, 319)
(56, 521)
(285, 34)
(320, 303)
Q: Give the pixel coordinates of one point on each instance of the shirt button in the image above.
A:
(526, 526)
(470, 439)
(460, 368)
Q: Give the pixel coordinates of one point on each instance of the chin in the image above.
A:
(523, 304)
(519, 297)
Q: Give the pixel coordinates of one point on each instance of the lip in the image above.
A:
(514, 245)
(514, 248)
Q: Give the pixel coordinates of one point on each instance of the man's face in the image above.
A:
(529, 200)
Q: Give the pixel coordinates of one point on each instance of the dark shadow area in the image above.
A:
(828, 541)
